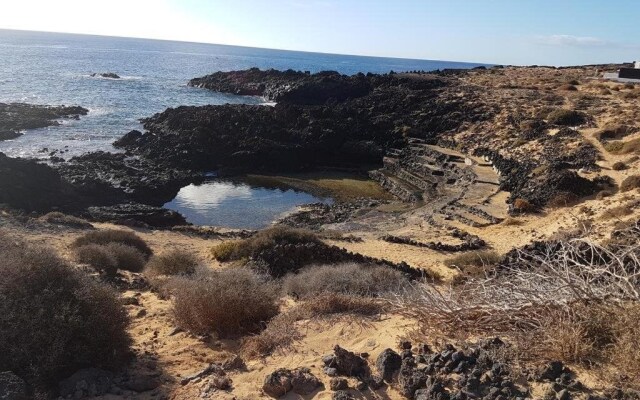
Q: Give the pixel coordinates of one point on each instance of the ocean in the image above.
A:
(53, 68)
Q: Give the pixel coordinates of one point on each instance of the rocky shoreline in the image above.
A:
(323, 120)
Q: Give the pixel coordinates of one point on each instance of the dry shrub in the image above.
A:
(224, 251)
(620, 147)
(229, 302)
(55, 320)
(612, 132)
(350, 278)
(127, 257)
(569, 87)
(604, 194)
(114, 236)
(109, 258)
(619, 166)
(522, 206)
(484, 258)
(510, 221)
(99, 257)
(58, 218)
(282, 331)
(173, 262)
(630, 183)
(263, 240)
(565, 117)
(563, 199)
(617, 212)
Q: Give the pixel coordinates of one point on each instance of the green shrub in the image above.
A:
(224, 251)
(619, 166)
(173, 262)
(228, 302)
(114, 236)
(54, 320)
(351, 278)
(565, 117)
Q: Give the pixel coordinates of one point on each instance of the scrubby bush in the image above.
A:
(356, 279)
(569, 87)
(263, 240)
(114, 236)
(617, 212)
(127, 257)
(110, 257)
(228, 302)
(563, 199)
(566, 117)
(619, 166)
(99, 257)
(58, 218)
(280, 250)
(474, 259)
(338, 303)
(630, 183)
(53, 319)
(173, 262)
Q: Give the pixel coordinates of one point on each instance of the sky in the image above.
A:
(519, 32)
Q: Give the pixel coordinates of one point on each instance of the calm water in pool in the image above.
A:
(236, 204)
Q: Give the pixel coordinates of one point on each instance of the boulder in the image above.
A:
(348, 363)
(388, 363)
(12, 387)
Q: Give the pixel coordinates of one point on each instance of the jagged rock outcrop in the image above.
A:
(16, 117)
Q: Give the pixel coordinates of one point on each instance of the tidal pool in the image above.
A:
(237, 204)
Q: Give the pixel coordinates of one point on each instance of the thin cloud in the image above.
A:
(572, 41)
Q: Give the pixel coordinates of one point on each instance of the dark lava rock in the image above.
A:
(410, 379)
(117, 178)
(388, 363)
(434, 391)
(338, 384)
(287, 86)
(283, 380)
(30, 186)
(90, 382)
(108, 75)
(349, 364)
(320, 119)
(135, 214)
(277, 383)
(303, 382)
(342, 395)
(551, 371)
(12, 387)
(16, 117)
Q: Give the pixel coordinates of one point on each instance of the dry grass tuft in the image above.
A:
(510, 221)
(522, 206)
(173, 262)
(350, 278)
(114, 236)
(109, 258)
(618, 212)
(565, 117)
(621, 147)
(229, 302)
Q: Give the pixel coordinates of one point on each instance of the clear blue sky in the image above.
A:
(557, 32)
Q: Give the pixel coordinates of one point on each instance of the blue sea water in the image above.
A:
(55, 69)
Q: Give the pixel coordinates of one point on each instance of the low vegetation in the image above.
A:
(229, 302)
(172, 262)
(105, 237)
(111, 257)
(630, 183)
(54, 319)
(58, 218)
(623, 147)
(351, 278)
(566, 117)
(473, 259)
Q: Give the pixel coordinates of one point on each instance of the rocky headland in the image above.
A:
(17, 117)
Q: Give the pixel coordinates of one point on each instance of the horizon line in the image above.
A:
(250, 47)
